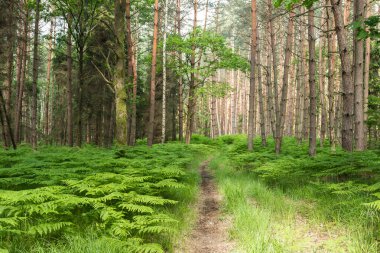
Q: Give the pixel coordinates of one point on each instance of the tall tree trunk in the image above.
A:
(367, 62)
(80, 89)
(348, 87)
(261, 99)
(322, 92)
(299, 92)
(119, 75)
(35, 75)
(11, 39)
(180, 85)
(312, 93)
(304, 84)
(358, 78)
(22, 73)
(270, 101)
(252, 75)
(284, 96)
(192, 98)
(152, 97)
(163, 134)
(275, 68)
(132, 74)
(48, 80)
(69, 88)
(331, 44)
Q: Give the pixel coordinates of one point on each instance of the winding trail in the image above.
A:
(210, 234)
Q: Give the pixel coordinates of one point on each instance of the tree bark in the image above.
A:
(358, 78)
(348, 87)
(192, 98)
(35, 75)
(69, 88)
(331, 44)
(132, 74)
(270, 101)
(322, 89)
(367, 62)
(180, 85)
(22, 73)
(261, 99)
(163, 133)
(252, 76)
(312, 93)
(284, 96)
(152, 97)
(48, 80)
(119, 75)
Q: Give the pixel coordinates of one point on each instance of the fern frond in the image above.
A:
(48, 228)
(136, 208)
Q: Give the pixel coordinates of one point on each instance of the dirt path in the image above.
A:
(210, 234)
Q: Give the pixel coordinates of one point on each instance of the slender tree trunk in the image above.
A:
(80, 95)
(152, 96)
(261, 99)
(11, 39)
(35, 75)
(358, 78)
(304, 84)
(132, 74)
(275, 68)
(252, 76)
(192, 98)
(119, 75)
(322, 90)
(22, 70)
(270, 101)
(348, 87)
(284, 96)
(331, 44)
(163, 134)
(69, 89)
(312, 86)
(367, 62)
(180, 85)
(299, 92)
(48, 80)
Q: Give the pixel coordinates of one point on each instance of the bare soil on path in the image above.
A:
(210, 234)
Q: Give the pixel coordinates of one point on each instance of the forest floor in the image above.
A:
(210, 233)
(235, 201)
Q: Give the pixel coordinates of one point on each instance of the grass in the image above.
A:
(61, 199)
(293, 203)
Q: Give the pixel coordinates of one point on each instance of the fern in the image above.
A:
(48, 228)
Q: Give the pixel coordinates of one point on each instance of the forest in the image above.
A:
(189, 126)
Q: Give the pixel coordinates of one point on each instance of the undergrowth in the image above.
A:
(61, 199)
(279, 193)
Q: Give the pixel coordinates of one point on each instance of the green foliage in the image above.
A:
(209, 46)
(368, 28)
(335, 188)
(120, 194)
